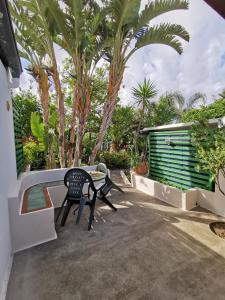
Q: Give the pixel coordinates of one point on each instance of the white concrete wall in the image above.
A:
(8, 178)
(213, 201)
(171, 195)
(36, 227)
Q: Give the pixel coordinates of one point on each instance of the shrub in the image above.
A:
(115, 159)
(33, 155)
(214, 110)
(209, 143)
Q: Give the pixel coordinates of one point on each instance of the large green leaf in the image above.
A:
(37, 127)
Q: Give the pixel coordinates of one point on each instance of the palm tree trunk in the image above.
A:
(109, 106)
(79, 138)
(73, 125)
(43, 94)
(60, 112)
(43, 89)
(83, 115)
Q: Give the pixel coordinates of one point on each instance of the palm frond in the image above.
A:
(60, 19)
(155, 8)
(163, 33)
(124, 12)
(197, 98)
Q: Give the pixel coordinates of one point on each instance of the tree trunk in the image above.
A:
(136, 138)
(43, 94)
(79, 138)
(83, 115)
(109, 106)
(73, 125)
(138, 131)
(43, 88)
(60, 112)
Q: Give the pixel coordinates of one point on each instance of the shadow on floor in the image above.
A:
(145, 250)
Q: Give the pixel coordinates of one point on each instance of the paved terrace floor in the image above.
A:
(145, 250)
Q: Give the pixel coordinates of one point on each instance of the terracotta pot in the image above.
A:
(142, 168)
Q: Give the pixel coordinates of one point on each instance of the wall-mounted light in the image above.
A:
(168, 141)
(7, 105)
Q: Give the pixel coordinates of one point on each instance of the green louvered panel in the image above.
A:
(18, 140)
(172, 159)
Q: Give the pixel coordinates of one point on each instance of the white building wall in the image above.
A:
(8, 178)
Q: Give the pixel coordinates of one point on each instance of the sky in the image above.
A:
(201, 67)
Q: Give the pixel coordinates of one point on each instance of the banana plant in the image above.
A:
(46, 139)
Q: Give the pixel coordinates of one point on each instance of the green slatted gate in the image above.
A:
(172, 159)
(18, 139)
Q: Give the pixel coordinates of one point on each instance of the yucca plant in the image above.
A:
(143, 94)
(129, 29)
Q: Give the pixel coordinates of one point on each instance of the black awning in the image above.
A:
(8, 48)
(218, 5)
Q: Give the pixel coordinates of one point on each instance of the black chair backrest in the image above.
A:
(75, 179)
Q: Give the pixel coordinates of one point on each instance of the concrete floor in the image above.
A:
(145, 250)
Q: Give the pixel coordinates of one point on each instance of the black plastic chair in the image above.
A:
(74, 180)
(107, 186)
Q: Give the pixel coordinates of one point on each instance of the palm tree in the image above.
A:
(143, 93)
(182, 105)
(34, 53)
(128, 30)
(32, 20)
(79, 24)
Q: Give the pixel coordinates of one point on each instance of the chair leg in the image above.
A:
(91, 218)
(74, 212)
(116, 187)
(60, 211)
(81, 207)
(66, 213)
(106, 201)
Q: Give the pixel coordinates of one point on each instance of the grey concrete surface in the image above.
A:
(145, 250)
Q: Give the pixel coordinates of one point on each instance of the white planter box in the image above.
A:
(184, 200)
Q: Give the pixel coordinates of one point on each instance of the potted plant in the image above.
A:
(139, 164)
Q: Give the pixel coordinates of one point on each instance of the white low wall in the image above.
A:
(176, 197)
(36, 227)
(213, 201)
(185, 200)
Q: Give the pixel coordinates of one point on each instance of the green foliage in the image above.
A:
(38, 129)
(135, 160)
(115, 159)
(120, 131)
(214, 110)
(87, 144)
(161, 112)
(143, 93)
(26, 103)
(33, 155)
(209, 143)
